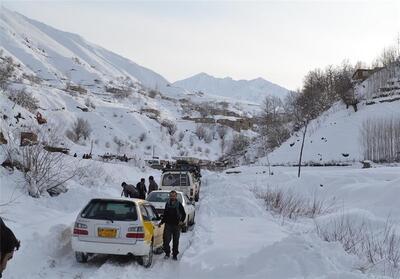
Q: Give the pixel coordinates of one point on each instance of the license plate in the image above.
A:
(107, 232)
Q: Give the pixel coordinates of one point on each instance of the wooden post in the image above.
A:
(302, 145)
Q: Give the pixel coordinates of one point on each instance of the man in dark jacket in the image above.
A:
(128, 190)
(173, 218)
(141, 187)
(8, 244)
(152, 185)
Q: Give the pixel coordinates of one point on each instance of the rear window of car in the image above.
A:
(110, 210)
(160, 197)
(175, 179)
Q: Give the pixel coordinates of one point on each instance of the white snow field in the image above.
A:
(234, 236)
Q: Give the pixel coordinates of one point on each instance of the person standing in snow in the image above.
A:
(141, 188)
(128, 190)
(8, 244)
(173, 218)
(152, 185)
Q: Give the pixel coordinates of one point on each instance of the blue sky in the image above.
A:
(279, 41)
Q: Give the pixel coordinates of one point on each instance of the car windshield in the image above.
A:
(110, 210)
(175, 179)
(161, 197)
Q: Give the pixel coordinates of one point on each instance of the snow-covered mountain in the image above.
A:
(57, 56)
(254, 90)
(65, 73)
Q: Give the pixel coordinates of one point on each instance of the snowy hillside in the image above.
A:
(337, 135)
(246, 90)
(58, 56)
(334, 136)
(125, 104)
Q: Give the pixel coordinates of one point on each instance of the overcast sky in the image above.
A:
(278, 41)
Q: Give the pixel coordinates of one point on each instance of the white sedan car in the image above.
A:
(118, 226)
(160, 197)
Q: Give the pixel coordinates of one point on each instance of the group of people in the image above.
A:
(173, 217)
(8, 244)
(140, 191)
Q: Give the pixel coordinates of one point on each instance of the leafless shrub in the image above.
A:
(152, 93)
(181, 136)
(207, 151)
(75, 88)
(222, 132)
(172, 141)
(142, 136)
(44, 171)
(7, 68)
(290, 205)
(33, 79)
(119, 142)
(199, 149)
(201, 132)
(119, 93)
(208, 138)
(80, 129)
(171, 126)
(380, 139)
(24, 99)
(377, 246)
(238, 145)
(89, 103)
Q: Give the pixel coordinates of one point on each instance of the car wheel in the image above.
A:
(147, 260)
(81, 257)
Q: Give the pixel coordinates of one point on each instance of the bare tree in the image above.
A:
(171, 126)
(44, 171)
(222, 132)
(200, 132)
(80, 129)
(238, 145)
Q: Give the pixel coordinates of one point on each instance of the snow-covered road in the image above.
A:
(234, 236)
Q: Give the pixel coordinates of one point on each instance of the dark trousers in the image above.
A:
(171, 231)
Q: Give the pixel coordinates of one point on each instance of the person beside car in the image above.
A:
(153, 186)
(8, 244)
(141, 188)
(128, 190)
(173, 218)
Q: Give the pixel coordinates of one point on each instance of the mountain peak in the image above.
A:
(254, 90)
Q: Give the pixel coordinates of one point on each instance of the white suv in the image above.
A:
(119, 226)
(183, 181)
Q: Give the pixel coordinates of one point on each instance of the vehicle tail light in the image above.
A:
(135, 232)
(80, 229)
